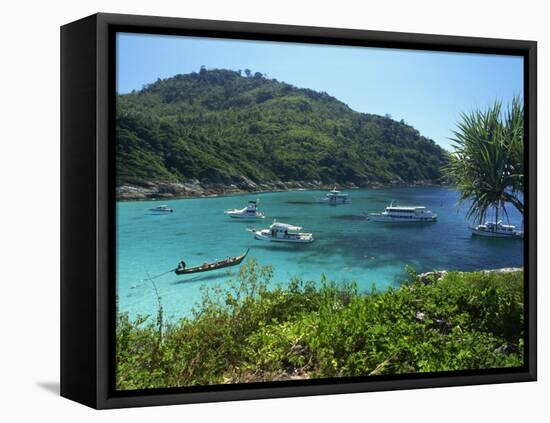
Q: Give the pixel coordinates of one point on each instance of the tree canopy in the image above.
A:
(487, 162)
(218, 125)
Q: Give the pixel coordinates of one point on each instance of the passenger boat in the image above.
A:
(250, 212)
(282, 232)
(497, 230)
(163, 209)
(334, 197)
(404, 214)
(182, 268)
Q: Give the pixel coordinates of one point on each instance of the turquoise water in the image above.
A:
(347, 247)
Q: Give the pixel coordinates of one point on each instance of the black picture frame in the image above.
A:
(88, 201)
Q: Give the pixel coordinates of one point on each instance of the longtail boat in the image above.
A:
(206, 267)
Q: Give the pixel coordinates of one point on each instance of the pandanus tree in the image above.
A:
(487, 162)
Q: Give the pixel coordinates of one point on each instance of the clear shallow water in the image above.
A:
(347, 247)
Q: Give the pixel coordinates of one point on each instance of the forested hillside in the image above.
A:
(221, 126)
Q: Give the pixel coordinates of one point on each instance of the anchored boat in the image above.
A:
(497, 230)
(334, 197)
(163, 209)
(282, 232)
(404, 214)
(182, 268)
(250, 212)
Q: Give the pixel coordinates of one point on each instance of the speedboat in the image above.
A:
(497, 230)
(334, 197)
(404, 214)
(250, 212)
(282, 232)
(163, 209)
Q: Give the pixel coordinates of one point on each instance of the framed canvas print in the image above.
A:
(254, 211)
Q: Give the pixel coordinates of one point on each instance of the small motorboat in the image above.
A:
(162, 209)
(497, 230)
(250, 212)
(403, 214)
(282, 232)
(334, 197)
(182, 268)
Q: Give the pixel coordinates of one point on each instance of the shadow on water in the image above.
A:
(495, 241)
(404, 225)
(360, 251)
(203, 278)
(280, 246)
(248, 222)
(348, 217)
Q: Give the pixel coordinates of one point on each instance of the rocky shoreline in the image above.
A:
(438, 275)
(197, 188)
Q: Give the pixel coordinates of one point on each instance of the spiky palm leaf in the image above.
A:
(487, 162)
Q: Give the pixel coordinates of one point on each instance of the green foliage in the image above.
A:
(487, 164)
(218, 126)
(245, 332)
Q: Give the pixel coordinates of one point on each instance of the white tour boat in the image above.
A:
(334, 197)
(250, 212)
(497, 230)
(282, 232)
(163, 209)
(404, 214)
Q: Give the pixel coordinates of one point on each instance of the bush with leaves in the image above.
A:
(245, 332)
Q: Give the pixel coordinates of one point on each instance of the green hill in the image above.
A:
(219, 127)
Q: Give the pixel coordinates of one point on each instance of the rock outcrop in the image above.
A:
(223, 184)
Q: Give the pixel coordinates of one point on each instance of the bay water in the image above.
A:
(347, 247)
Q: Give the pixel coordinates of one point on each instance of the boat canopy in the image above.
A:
(499, 225)
(406, 209)
(284, 226)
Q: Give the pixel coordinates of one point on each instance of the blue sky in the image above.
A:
(428, 90)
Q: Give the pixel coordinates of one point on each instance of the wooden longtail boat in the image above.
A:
(206, 267)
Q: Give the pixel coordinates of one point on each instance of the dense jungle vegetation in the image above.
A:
(218, 126)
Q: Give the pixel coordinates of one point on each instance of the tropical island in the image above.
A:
(219, 132)
(222, 131)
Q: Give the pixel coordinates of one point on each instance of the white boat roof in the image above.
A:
(500, 224)
(405, 208)
(335, 191)
(286, 226)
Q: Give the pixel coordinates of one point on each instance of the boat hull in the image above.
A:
(303, 239)
(391, 219)
(245, 217)
(211, 266)
(324, 200)
(493, 234)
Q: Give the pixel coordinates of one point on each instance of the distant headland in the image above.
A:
(219, 131)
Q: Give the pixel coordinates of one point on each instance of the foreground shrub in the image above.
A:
(246, 333)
